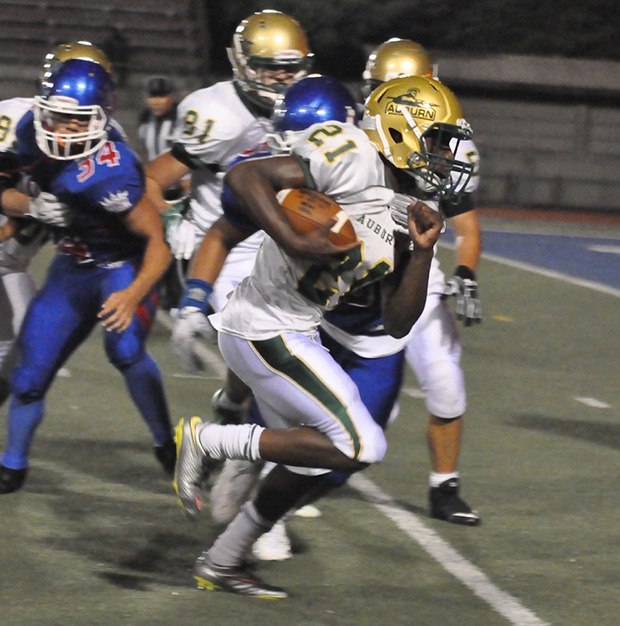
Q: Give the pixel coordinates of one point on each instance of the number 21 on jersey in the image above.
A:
(319, 136)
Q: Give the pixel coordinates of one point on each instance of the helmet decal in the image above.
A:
(416, 123)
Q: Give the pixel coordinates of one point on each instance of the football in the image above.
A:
(307, 209)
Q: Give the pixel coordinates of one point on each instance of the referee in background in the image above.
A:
(155, 125)
(157, 117)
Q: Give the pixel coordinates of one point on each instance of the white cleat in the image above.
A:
(308, 511)
(274, 545)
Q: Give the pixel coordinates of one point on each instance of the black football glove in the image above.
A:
(464, 287)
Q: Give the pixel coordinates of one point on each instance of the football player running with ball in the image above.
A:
(268, 329)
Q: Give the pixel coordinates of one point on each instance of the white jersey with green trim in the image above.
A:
(214, 126)
(287, 294)
(15, 254)
(11, 111)
(467, 152)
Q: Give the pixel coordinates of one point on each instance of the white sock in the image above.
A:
(232, 441)
(436, 478)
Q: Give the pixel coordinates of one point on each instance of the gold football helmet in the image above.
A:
(393, 58)
(264, 43)
(416, 123)
(83, 50)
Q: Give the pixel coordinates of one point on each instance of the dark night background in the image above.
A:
(339, 29)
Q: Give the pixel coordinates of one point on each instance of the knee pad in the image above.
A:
(123, 351)
(27, 388)
(445, 389)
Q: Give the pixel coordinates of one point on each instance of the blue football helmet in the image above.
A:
(80, 93)
(311, 100)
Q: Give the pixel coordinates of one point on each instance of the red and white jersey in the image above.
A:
(288, 294)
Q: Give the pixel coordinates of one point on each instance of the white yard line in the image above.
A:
(605, 249)
(468, 574)
(593, 402)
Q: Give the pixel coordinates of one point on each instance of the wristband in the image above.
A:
(196, 294)
(462, 271)
(177, 208)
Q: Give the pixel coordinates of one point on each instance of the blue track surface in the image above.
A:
(594, 259)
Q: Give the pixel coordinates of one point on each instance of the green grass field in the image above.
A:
(96, 537)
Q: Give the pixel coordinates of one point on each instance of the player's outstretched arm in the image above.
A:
(468, 234)
(45, 207)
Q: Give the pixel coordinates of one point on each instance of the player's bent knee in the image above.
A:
(121, 360)
(445, 396)
(26, 388)
(123, 350)
(373, 448)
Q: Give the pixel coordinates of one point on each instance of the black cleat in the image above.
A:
(167, 456)
(447, 505)
(233, 579)
(11, 480)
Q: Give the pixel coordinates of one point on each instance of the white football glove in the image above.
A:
(464, 287)
(398, 210)
(190, 322)
(47, 208)
(182, 237)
